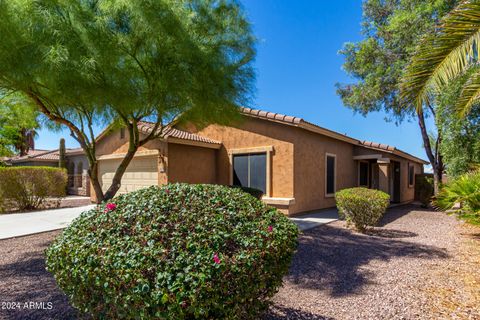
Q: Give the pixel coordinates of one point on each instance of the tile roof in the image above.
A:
(296, 121)
(271, 115)
(46, 155)
(170, 132)
(377, 145)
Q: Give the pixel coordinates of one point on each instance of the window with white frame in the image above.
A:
(330, 174)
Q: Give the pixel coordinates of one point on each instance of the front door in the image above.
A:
(396, 182)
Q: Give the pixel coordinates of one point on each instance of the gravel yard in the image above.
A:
(418, 265)
(413, 267)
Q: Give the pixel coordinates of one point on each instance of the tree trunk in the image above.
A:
(434, 158)
(97, 188)
(117, 178)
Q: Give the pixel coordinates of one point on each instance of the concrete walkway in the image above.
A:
(316, 218)
(21, 224)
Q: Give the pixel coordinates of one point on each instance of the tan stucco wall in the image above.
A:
(191, 164)
(297, 162)
(112, 144)
(310, 161)
(257, 133)
(407, 193)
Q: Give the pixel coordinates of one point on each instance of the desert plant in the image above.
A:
(424, 189)
(174, 252)
(62, 161)
(361, 206)
(464, 190)
(29, 187)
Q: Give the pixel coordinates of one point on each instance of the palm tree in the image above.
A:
(450, 51)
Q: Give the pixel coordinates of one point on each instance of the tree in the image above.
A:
(446, 53)
(392, 29)
(461, 134)
(18, 125)
(83, 63)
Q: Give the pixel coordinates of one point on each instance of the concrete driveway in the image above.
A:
(21, 224)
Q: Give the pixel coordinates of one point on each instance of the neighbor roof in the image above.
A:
(43, 155)
(301, 123)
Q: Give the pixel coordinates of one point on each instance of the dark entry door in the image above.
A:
(396, 182)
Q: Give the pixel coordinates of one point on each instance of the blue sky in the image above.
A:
(298, 65)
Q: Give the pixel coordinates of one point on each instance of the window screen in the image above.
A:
(363, 172)
(330, 174)
(250, 170)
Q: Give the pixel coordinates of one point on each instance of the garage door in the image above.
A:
(141, 172)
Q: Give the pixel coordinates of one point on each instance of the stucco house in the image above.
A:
(297, 164)
(77, 166)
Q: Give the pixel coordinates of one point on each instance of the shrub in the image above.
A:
(464, 190)
(424, 189)
(28, 187)
(361, 206)
(174, 252)
(257, 193)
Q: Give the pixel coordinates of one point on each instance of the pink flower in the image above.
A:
(110, 207)
(167, 191)
(216, 259)
(270, 229)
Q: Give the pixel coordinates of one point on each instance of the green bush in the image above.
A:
(174, 252)
(361, 206)
(257, 193)
(29, 187)
(464, 190)
(424, 189)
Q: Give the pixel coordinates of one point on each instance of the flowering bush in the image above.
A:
(361, 206)
(174, 252)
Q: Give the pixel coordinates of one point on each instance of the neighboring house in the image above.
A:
(297, 164)
(77, 166)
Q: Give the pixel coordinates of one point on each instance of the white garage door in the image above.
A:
(141, 172)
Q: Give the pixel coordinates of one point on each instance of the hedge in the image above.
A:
(361, 206)
(29, 187)
(174, 252)
(424, 188)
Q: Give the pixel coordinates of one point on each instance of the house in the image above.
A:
(297, 164)
(77, 166)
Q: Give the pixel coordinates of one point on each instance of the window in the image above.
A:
(250, 170)
(411, 175)
(363, 174)
(122, 133)
(330, 173)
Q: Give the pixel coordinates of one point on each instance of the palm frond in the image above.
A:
(470, 95)
(443, 55)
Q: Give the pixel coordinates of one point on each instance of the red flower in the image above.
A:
(167, 191)
(216, 259)
(110, 207)
(270, 228)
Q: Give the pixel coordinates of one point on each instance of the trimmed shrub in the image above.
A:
(257, 193)
(361, 206)
(174, 252)
(29, 187)
(424, 188)
(464, 190)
